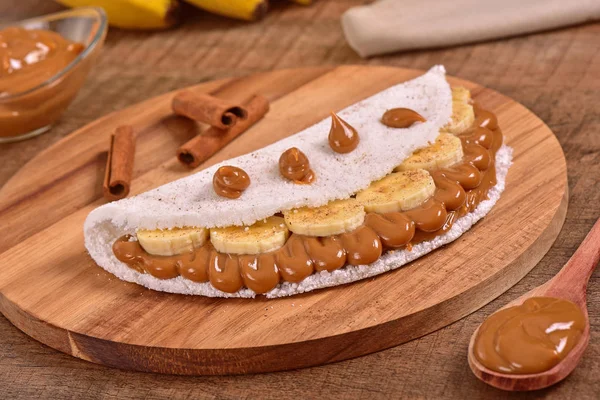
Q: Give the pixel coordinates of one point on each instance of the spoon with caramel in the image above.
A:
(538, 339)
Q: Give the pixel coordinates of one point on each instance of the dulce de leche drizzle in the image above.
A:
(459, 189)
(530, 338)
(343, 138)
(294, 165)
(401, 118)
(31, 57)
(230, 181)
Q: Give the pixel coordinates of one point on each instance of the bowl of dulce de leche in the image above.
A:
(43, 63)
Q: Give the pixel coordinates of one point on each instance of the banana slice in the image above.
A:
(463, 115)
(264, 236)
(337, 217)
(461, 94)
(446, 151)
(170, 242)
(398, 192)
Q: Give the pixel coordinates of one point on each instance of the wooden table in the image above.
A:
(556, 74)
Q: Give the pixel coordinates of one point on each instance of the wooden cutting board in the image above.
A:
(52, 290)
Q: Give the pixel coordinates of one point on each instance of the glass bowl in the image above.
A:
(32, 112)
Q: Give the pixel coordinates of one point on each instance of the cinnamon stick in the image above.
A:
(119, 165)
(208, 109)
(203, 146)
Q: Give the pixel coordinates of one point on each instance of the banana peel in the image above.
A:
(249, 10)
(134, 14)
(161, 14)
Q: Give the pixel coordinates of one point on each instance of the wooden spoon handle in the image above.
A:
(571, 281)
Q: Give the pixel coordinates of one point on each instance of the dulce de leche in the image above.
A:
(31, 57)
(294, 165)
(401, 118)
(343, 138)
(230, 182)
(28, 59)
(530, 338)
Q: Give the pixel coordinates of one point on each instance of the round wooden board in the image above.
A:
(52, 290)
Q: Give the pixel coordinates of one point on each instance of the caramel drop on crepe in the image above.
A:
(294, 165)
(343, 138)
(230, 181)
(401, 118)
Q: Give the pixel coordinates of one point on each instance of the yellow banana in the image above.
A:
(170, 242)
(446, 151)
(134, 14)
(261, 237)
(337, 217)
(399, 191)
(463, 115)
(249, 10)
(462, 94)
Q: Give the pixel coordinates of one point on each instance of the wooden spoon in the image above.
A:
(570, 284)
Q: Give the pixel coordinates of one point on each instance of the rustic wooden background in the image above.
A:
(556, 74)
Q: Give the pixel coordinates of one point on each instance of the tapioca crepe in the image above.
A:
(191, 201)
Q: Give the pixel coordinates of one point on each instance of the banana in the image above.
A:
(170, 242)
(134, 14)
(249, 10)
(446, 151)
(337, 217)
(461, 94)
(463, 115)
(263, 236)
(398, 191)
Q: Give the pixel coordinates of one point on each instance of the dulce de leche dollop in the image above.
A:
(31, 57)
(343, 138)
(230, 181)
(294, 165)
(401, 118)
(28, 58)
(530, 338)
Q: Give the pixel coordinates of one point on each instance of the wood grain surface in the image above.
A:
(44, 209)
(553, 73)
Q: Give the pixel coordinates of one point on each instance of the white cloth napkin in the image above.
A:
(393, 25)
